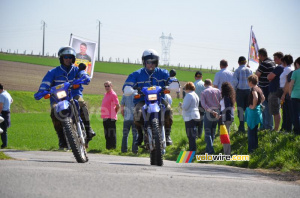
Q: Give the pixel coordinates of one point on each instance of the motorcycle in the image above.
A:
(68, 112)
(154, 115)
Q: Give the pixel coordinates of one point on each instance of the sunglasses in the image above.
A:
(151, 62)
(106, 86)
(67, 57)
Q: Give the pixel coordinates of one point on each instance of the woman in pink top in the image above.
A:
(109, 109)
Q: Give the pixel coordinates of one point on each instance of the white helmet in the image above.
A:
(150, 54)
(66, 51)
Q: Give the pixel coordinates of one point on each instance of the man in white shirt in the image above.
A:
(5, 102)
(199, 85)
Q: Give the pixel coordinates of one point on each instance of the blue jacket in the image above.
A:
(61, 74)
(137, 78)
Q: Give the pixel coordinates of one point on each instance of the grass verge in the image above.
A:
(32, 129)
(4, 157)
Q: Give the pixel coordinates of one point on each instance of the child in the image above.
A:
(227, 111)
(253, 115)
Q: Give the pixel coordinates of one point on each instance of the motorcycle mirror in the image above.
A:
(82, 66)
(47, 96)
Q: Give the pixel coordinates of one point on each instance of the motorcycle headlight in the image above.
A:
(61, 94)
(152, 97)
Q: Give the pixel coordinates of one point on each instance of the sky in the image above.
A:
(204, 32)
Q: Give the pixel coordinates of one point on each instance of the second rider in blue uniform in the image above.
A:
(150, 60)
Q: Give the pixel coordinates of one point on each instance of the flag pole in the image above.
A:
(70, 39)
(250, 44)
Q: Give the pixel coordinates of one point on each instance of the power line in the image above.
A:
(166, 44)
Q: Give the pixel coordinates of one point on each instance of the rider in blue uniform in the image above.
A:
(67, 72)
(150, 60)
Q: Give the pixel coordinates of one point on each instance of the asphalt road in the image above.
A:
(56, 174)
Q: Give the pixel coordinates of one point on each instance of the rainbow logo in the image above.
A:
(185, 156)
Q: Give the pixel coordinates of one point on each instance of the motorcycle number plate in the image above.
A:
(152, 97)
(151, 88)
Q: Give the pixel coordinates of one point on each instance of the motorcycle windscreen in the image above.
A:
(153, 108)
(62, 105)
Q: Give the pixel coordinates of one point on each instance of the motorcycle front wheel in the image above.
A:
(156, 155)
(78, 148)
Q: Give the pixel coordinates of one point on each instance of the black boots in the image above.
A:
(168, 137)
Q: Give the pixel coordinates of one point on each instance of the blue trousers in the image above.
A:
(252, 139)
(296, 116)
(126, 129)
(191, 132)
(200, 123)
(287, 114)
(267, 117)
(242, 103)
(210, 125)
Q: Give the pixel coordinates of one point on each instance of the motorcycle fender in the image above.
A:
(153, 108)
(62, 105)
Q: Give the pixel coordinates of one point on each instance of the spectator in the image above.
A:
(265, 68)
(240, 84)
(287, 112)
(5, 102)
(191, 115)
(227, 105)
(199, 85)
(109, 109)
(253, 115)
(210, 101)
(274, 90)
(294, 92)
(127, 112)
(224, 75)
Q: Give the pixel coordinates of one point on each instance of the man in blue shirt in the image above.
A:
(127, 107)
(5, 102)
(240, 84)
(224, 75)
(150, 72)
(67, 72)
(199, 85)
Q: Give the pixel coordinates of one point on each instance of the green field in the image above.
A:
(183, 74)
(32, 129)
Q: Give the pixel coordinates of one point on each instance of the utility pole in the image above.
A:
(99, 41)
(44, 25)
